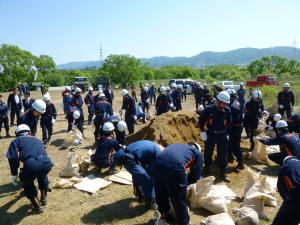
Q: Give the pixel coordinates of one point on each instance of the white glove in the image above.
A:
(21, 111)
(281, 106)
(74, 127)
(88, 105)
(227, 136)
(148, 100)
(14, 179)
(174, 108)
(53, 121)
(203, 136)
(135, 117)
(171, 105)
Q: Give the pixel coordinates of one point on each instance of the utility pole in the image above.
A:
(101, 55)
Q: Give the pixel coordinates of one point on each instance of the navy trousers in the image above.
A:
(234, 143)
(129, 119)
(47, 128)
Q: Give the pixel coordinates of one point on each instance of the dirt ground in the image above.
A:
(112, 205)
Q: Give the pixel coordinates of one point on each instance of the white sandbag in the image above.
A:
(201, 188)
(259, 152)
(272, 149)
(245, 216)
(269, 190)
(224, 190)
(62, 184)
(122, 177)
(69, 139)
(252, 178)
(219, 219)
(214, 201)
(72, 167)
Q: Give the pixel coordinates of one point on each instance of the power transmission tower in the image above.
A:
(101, 55)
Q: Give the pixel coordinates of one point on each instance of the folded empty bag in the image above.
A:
(219, 219)
(245, 216)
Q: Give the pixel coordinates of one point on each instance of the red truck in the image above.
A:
(265, 79)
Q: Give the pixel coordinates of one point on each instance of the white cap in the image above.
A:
(46, 97)
(153, 83)
(281, 124)
(76, 115)
(286, 85)
(242, 84)
(223, 96)
(277, 117)
(22, 128)
(124, 92)
(39, 105)
(78, 90)
(257, 94)
(162, 89)
(121, 126)
(147, 84)
(108, 126)
(91, 88)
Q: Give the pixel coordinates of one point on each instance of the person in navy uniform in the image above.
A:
(66, 94)
(215, 124)
(145, 99)
(31, 116)
(236, 130)
(14, 104)
(77, 101)
(289, 145)
(204, 93)
(286, 101)
(106, 145)
(73, 118)
(138, 159)
(294, 124)
(130, 110)
(36, 165)
(171, 181)
(163, 101)
(4, 117)
(176, 97)
(48, 119)
(253, 112)
(152, 93)
(27, 101)
(241, 92)
(198, 94)
(89, 101)
(120, 128)
(109, 94)
(288, 185)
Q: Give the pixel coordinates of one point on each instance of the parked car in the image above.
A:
(183, 82)
(229, 84)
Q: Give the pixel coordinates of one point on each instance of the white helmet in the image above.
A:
(162, 89)
(286, 85)
(100, 92)
(124, 92)
(68, 88)
(76, 115)
(147, 84)
(101, 95)
(146, 89)
(153, 84)
(161, 84)
(196, 145)
(173, 85)
(46, 97)
(91, 88)
(277, 117)
(257, 94)
(281, 124)
(230, 91)
(78, 90)
(121, 126)
(168, 88)
(223, 96)
(214, 84)
(108, 126)
(200, 108)
(242, 84)
(180, 86)
(22, 128)
(205, 85)
(39, 105)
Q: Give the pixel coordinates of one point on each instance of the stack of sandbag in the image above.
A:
(204, 194)
(72, 166)
(258, 193)
(260, 152)
(245, 216)
(219, 219)
(66, 183)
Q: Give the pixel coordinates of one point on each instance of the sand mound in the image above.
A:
(170, 128)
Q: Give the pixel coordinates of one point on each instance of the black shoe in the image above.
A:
(36, 206)
(224, 177)
(240, 166)
(48, 139)
(7, 136)
(44, 198)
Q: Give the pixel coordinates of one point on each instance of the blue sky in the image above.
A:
(71, 30)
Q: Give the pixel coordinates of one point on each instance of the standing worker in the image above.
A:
(286, 101)
(215, 124)
(48, 119)
(241, 92)
(163, 101)
(198, 94)
(14, 104)
(171, 181)
(294, 124)
(77, 101)
(89, 101)
(4, 117)
(27, 101)
(130, 110)
(109, 94)
(145, 99)
(152, 93)
(36, 165)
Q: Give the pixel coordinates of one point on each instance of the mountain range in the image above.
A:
(240, 57)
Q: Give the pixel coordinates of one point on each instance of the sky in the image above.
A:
(72, 30)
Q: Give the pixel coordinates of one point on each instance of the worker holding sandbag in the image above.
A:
(36, 165)
(289, 145)
(171, 180)
(138, 159)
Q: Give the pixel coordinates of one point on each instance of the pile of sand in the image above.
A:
(170, 128)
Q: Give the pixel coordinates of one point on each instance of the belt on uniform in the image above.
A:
(217, 132)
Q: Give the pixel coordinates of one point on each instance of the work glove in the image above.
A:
(21, 111)
(135, 117)
(74, 127)
(257, 138)
(203, 136)
(174, 108)
(171, 105)
(14, 179)
(53, 121)
(227, 136)
(148, 100)
(281, 106)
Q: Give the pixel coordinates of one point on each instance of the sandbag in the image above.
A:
(214, 201)
(219, 219)
(245, 216)
(85, 161)
(72, 167)
(62, 184)
(259, 152)
(252, 178)
(69, 139)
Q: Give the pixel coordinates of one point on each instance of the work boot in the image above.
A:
(224, 177)
(240, 166)
(7, 135)
(36, 205)
(44, 198)
(230, 158)
(48, 139)
(150, 204)
(138, 194)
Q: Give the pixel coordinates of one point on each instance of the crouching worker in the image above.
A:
(73, 117)
(171, 180)
(288, 185)
(36, 165)
(289, 146)
(106, 144)
(138, 159)
(120, 127)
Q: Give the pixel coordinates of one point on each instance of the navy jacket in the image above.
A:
(294, 123)
(215, 120)
(11, 102)
(67, 102)
(237, 119)
(241, 95)
(144, 97)
(129, 106)
(50, 112)
(27, 103)
(105, 149)
(286, 99)
(29, 119)
(180, 157)
(103, 109)
(77, 101)
(253, 111)
(176, 97)
(3, 110)
(162, 103)
(109, 94)
(152, 91)
(89, 100)
(21, 149)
